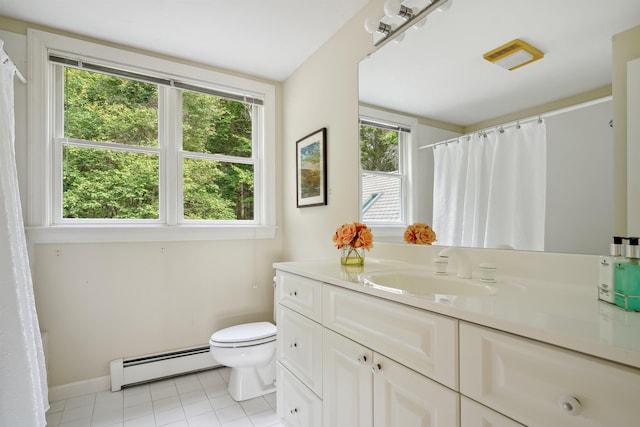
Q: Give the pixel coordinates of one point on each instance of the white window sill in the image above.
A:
(150, 233)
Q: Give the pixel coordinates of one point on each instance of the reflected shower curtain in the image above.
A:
(23, 377)
(490, 189)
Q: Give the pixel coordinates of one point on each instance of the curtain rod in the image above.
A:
(540, 116)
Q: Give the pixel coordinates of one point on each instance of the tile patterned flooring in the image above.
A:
(195, 400)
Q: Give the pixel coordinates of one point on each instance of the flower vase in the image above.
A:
(352, 256)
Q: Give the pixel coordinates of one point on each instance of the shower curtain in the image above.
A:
(23, 377)
(490, 189)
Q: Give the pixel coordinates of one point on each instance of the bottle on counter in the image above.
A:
(607, 269)
(626, 280)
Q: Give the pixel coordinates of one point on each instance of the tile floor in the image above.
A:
(195, 400)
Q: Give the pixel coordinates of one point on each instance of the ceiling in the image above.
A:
(264, 38)
(438, 71)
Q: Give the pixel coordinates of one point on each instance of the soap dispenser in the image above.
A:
(607, 268)
(626, 281)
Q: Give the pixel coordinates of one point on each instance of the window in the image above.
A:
(218, 163)
(382, 172)
(147, 143)
(110, 162)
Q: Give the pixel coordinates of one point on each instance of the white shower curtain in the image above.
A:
(490, 189)
(23, 377)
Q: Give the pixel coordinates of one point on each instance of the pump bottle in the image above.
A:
(607, 269)
(626, 280)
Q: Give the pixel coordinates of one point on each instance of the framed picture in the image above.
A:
(311, 169)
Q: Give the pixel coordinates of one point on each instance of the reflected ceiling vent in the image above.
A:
(514, 55)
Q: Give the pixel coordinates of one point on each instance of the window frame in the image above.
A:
(407, 153)
(45, 149)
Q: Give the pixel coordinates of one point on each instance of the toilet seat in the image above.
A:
(244, 335)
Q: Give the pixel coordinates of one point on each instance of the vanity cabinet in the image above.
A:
(542, 385)
(368, 361)
(346, 358)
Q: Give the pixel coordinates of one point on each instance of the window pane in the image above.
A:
(215, 125)
(217, 190)
(381, 198)
(378, 149)
(103, 108)
(100, 183)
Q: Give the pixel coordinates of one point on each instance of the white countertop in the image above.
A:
(568, 316)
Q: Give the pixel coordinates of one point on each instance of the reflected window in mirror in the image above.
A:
(383, 172)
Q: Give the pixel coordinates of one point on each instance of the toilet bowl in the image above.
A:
(250, 351)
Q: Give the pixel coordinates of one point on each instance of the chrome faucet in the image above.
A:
(464, 265)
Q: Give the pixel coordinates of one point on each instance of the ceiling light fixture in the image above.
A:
(514, 54)
(400, 18)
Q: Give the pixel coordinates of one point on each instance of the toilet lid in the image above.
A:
(245, 332)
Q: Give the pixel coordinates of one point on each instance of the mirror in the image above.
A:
(437, 75)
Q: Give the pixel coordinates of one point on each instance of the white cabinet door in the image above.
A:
(297, 405)
(347, 394)
(423, 341)
(299, 347)
(473, 414)
(404, 398)
(541, 385)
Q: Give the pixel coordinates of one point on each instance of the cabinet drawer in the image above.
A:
(297, 405)
(473, 414)
(425, 342)
(529, 381)
(300, 347)
(300, 294)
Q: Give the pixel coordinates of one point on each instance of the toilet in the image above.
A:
(249, 350)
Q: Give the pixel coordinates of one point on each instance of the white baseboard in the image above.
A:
(67, 391)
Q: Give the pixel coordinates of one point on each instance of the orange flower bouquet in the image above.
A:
(353, 239)
(419, 234)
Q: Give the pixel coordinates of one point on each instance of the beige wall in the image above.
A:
(99, 302)
(324, 93)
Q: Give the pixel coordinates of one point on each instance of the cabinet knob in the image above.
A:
(570, 405)
(376, 368)
(293, 411)
(293, 293)
(362, 359)
(293, 345)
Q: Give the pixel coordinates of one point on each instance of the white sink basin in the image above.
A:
(417, 282)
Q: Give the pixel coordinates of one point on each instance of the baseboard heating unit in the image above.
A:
(136, 370)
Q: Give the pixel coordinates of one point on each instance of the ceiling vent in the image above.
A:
(513, 55)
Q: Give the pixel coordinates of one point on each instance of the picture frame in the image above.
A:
(311, 169)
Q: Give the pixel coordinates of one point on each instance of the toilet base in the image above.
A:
(247, 383)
